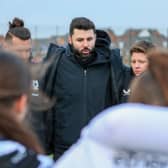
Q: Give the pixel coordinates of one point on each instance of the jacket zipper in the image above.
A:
(85, 92)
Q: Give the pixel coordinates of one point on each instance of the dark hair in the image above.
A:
(15, 80)
(152, 86)
(81, 23)
(142, 46)
(17, 29)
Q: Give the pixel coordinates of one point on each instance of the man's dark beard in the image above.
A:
(84, 60)
(80, 54)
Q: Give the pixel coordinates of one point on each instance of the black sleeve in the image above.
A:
(47, 85)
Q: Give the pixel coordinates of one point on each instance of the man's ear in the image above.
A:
(69, 39)
(7, 45)
(21, 107)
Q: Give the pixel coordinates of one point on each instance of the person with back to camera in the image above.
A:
(85, 78)
(132, 134)
(19, 147)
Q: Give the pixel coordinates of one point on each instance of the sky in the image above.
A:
(48, 17)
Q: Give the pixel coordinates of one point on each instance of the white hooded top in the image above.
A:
(128, 135)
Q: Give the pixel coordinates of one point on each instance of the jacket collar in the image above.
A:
(102, 55)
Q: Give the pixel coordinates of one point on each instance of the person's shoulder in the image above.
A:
(53, 51)
(15, 154)
(137, 120)
(115, 55)
(8, 146)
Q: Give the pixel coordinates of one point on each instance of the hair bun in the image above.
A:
(16, 23)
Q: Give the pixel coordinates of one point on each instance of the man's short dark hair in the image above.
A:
(81, 23)
(17, 29)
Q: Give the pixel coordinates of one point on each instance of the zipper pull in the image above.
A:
(85, 71)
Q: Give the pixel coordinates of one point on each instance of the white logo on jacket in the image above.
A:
(126, 92)
(35, 87)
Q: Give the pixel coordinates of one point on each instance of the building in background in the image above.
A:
(123, 41)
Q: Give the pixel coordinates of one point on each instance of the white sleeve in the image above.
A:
(45, 161)
(86, 153)
(134, 127)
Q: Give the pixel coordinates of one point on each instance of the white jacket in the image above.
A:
(129, 135)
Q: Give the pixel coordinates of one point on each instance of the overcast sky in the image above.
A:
(54, 16)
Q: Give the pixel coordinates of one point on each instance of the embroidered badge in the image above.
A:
(126, 92)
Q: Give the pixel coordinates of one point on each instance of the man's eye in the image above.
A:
(24, 50)
(79, 40)
(133, 62)
(90, 39)
(142, 62)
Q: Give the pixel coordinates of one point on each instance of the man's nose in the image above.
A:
(137, 65)
(85, 43)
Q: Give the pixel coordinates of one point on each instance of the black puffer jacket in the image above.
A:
(81, 93)
(117, 68)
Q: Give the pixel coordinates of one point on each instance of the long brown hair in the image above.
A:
(15, 80)
(152, 86)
